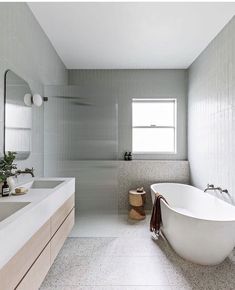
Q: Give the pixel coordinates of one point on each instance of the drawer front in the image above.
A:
(61, 214)
(60, 236)
(37, 272)
(16, 268)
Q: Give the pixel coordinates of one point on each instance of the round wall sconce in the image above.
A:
(36, 100)
(28, 100)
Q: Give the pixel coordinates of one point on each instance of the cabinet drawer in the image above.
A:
(36, 274)
(60, 236)
(16, 268)
(60, 215)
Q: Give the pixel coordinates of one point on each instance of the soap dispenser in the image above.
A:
(5, 189)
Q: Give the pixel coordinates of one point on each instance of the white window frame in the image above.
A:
(157, 100)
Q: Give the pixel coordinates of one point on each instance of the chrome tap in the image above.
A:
(26, 171)
(212, 187)
(226, 191)
(209, 187)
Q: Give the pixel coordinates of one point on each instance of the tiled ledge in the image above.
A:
(138, 173)
(104, 184)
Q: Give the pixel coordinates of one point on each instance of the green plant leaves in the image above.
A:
(7, 166)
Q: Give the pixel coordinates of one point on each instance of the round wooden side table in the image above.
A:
(137, 201)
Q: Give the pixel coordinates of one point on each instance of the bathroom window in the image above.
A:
(153, 126)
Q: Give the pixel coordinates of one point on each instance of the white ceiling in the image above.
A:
(130, 35)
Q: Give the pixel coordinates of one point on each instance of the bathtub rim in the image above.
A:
(189, 216)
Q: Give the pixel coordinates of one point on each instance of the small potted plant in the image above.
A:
(7, 170)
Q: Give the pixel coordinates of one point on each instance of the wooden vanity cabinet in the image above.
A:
(17, 267)
(36, 274)
(60, 236)
(58, 218)
(28, 268)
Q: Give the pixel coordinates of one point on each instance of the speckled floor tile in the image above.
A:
(129, 262)
(127, 247)
(96, 224)
(102, 271)
(186, 275)
(79, 247)
(108, 288)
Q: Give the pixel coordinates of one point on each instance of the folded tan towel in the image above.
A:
(20, 190)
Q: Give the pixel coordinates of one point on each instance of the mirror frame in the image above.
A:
(19, 156)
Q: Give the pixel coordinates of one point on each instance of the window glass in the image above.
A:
(153, 113)
(154, 126)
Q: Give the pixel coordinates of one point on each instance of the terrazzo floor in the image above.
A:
(107, 224)
(128, 261)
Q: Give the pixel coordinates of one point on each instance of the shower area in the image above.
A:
(87, 129)
(81, 141)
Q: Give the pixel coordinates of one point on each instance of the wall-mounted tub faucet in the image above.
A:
(212, 187)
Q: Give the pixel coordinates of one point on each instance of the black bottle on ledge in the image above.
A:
(129, 156)
(126, 156)
(5, 189)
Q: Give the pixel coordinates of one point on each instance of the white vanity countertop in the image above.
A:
(18, 228)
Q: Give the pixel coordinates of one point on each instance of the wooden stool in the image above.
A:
(137, 201)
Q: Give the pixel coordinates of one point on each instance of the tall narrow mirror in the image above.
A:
(17, 116)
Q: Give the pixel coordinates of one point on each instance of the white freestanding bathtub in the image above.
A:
(198, 226)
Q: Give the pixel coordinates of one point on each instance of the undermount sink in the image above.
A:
(9, 208)
(37, 184)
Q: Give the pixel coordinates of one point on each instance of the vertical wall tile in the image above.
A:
(123, 85)
(25, 49)
(211, 113)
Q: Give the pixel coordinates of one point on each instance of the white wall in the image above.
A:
(123, 85)
(211, 113)
(26, 50)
